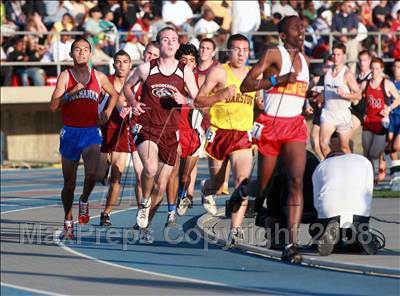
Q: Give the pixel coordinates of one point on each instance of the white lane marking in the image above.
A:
(57, 240)
(29, 289)
(25, 209)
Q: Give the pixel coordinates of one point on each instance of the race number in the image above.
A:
(257, 130)
(210, 135)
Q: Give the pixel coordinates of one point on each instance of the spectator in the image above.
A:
(265, 9)
(78, 11)
(221, 39)
(134, 48)
(206, 25)
(5, 71)
(395, 9)
(310, 41)
(143, 25)
(379, 13)
(59, 49)
(92, 26)
(284, 8)
(347, 22)
(177, 12)
(125, 15)
(366, 14)
(221, 10)
(24, 73)
(15, 14)
(54, 12)
(110, 33)
(67, 23)
(263, 41)
(310, 11)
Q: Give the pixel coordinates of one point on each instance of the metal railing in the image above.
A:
(331, 38)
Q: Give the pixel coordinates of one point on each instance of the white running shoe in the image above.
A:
(171, 220)
(208, 201)
(183, 205)
(142, 218)
(234, 237)
(145, 237)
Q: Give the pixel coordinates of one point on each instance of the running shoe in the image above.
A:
(142, 218)
(208, 201)
(183, 205)
(83, 217)
(290, 254)
(171, 220)
(234, 237)
(145, 237)
(105, 219)
(330, 237)
(68, 232)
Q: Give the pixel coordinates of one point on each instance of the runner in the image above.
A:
(77, 94)
(229, 137)
(156, 132)
(282, 130)
(377, 92)
(340, 90)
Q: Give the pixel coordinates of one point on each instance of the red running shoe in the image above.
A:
(83, 217)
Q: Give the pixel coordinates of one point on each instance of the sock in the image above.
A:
(171, 208)
(144, 202)
(68, 222)
(182, 193)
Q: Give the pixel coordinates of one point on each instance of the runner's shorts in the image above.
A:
(270, 133)
(167, 140)
(340, 119)
(394, 125)
(221, 143)
(191, 141)
(118, 140)
(73, 140)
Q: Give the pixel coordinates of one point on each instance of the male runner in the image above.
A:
(340, 90)
(229, 136)
(282, 130)
(77, 93)
(157, 136)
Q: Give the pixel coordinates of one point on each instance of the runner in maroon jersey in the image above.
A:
(77, 93)
(157, 135)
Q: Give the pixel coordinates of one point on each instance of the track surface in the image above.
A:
(103, 262)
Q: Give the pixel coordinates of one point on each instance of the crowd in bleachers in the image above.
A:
(114, 24)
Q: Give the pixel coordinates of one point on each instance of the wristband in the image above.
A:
(273, 80)
(188, 100)
(66, 97)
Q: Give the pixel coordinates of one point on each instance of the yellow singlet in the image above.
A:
(235, 113)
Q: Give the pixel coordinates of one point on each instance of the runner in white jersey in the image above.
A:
(340, 89)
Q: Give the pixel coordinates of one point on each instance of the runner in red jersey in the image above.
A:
(164, 81)
(77, 93)
(377, 92)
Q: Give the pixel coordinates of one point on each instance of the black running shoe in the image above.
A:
(291, 255)
(105, 219)
(368, 242)
(329, 239)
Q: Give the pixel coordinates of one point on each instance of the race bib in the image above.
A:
(210, 135)
(136, 129)
(257, 130)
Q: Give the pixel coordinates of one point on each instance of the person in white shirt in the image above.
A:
(342, 188)
(60, 49)
(340, 90)
(176, 12)
(206, 25)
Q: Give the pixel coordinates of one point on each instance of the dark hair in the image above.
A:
(283, 23)
(152, 43)
(93, 10)
(121, 52)
(339, 46)
(236, 37)
(365, 52)
(328, 57)
(187, 49)
(167, 28)
(80, 39)
(378, 61)
(397, 60)
(210, 41)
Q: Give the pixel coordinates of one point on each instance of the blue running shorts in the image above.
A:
(73, 140)
(394, 125)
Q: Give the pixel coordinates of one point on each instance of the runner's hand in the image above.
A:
(179, 98)
(288, 78)
(103, 118)
(125, 111)
(229, 92)
(137, 108)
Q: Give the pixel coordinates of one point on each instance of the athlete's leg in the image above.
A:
(118, 160)
(314, 139)
(90, 156)
(193, 177)
(266, 167)
(173, 183)
(366, 140)
(396, 144)
(356, 124)
(186, 170)
(217, 176)
(325, 134)
(241, 161)
(294, 155)
(69, 169)
(224, 189)
(148, 153)
(102, 169)
(138, 168)
(344, 140)
(160, 186)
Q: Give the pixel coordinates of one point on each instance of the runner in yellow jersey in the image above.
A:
(229, 135)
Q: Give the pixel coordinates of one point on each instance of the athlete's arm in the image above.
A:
(60, 95)
(139, 75)
(355, 91)
(391, 91)
(109, 88)
(214, 78)
(191, 86)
